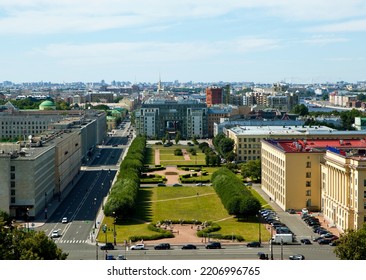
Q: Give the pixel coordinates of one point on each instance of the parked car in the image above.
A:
(110, 257)
(297, 257)
(107, 246)
(64, 220)
(138, 247)
(291, 211)
(306, 241)
(121, 257)
(161, 185)
(189, 247)
(262, 256)
(254, 244)
(162, 246)
(213, 245)
(324, 241)
(177, 185)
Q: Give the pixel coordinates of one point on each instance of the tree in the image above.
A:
(177, 138)
(351, 245)
(251, 169)
(17, 244)
(301, 110)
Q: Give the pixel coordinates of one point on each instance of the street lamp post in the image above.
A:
(114, 229)
(96, 211)
(259, 228)
(271, 240)
(96, 249)
(281, 248)
(45, 205)
(27, 217)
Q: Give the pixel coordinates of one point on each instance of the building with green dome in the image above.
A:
(47, 105)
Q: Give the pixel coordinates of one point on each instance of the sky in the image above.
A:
(261, 41)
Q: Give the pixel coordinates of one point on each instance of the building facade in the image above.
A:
(327, 175)
(158, 117)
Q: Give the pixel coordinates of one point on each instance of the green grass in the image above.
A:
(156, 204)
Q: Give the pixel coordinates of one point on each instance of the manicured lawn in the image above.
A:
(175, 203)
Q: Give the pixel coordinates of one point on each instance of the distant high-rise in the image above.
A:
(213, 96)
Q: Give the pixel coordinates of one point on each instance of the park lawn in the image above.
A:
(247, 229)
(149, 156)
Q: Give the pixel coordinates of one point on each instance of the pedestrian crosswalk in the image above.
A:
(70, 241)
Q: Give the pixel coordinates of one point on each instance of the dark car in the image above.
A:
(305, 241)
(324, 241)
(213, 245)
(262, 256)
(297, 257)
(107, 246)
(254, 244)
(162, 246)
(189, 247)
(110, 257)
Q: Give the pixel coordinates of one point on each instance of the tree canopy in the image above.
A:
(17, 244)
(352, 245)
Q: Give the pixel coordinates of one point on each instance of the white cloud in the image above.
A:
(56, 16)
(151, 52)
(346, 26)
(321, 40)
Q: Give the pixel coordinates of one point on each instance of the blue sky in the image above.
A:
(263, 41)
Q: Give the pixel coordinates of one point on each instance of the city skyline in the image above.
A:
(255, 41)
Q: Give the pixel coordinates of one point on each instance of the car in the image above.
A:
(291, 211)
(189, 247)
(177, 185)
(110, 257)
(162, 246)
(121, 257)
(55, 234)
(107, 246)
(262, 256)
(115, 145)
(64, 220)
(254, 244)
(296, 257)
(323, 241)
(138, 247)
(161, 185)
(334, 243)
(213, 245)
(306, 241)
(200, 184)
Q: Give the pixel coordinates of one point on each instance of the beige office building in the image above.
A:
(326, 175)
(247, 139)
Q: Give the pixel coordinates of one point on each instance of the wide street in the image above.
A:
(86, 199)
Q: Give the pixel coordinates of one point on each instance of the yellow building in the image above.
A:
(247, 139)
(344, 188)
(326, 175)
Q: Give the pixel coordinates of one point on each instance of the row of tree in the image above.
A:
(123, 196)
(234, 196)
(224, 146)
(22, 244)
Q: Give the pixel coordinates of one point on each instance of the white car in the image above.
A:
(55, 234)
(64, 220)
(138, 247)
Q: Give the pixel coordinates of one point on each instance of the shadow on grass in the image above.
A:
(144, 212)
(149, 156)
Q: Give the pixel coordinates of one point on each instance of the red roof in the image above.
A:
(318, 145)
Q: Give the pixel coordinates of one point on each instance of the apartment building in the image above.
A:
(326, 175)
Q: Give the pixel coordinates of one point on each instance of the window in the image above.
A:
(308, 183)
(12, 184)
(364, 205)
(12, 192)
(308, 193)
(308, 164)
(12, 176)
(364, 183)
(12, 200)
(12, 168)
(308, 174)
(364, 194)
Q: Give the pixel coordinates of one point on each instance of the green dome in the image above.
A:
(47, 105)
